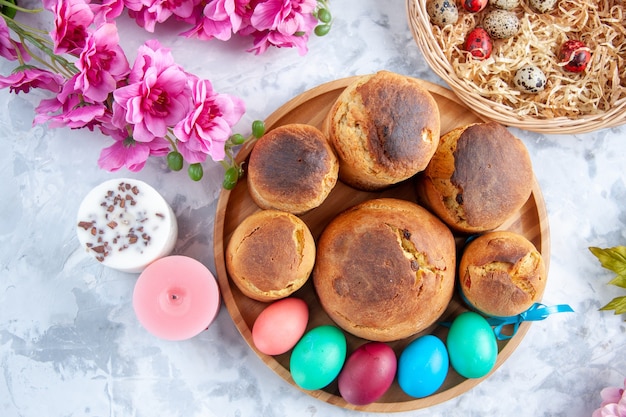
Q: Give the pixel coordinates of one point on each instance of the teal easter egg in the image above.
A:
(423, 366)
(318, 357)
(472, 345)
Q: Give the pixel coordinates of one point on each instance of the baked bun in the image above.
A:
(292, 168)
(479, 177)
(384, 128)
(385, 269)
(502, 274)
(270, 255)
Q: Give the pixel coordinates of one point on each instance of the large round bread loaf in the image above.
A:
(385, 269)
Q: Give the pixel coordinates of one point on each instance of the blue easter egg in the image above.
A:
(423, 366)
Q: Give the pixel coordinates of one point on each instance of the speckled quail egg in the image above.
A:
(530, 79)
(443, 12)
(543, 6)
(504, 4)
(501, 24)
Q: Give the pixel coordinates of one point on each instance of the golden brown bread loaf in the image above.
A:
(270, 255)
(502, 274)
(385, 128)
(385, 269)
(479, 176)
(292, 168)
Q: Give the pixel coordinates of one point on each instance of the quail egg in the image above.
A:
(443, 12)
(501, 24)
(530, 79)
(504, 4)
(543, 6)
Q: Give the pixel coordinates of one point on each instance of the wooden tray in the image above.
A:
(235, 205)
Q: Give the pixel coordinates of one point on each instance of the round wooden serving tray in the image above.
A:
(235, 205)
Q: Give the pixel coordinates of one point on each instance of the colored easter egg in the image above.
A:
(423, 366)
(368, 373)
(280, 325)
(472, 345)
(317, 358)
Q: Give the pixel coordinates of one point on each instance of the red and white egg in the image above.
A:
(474, 6)
(479, 44)
(574, 56)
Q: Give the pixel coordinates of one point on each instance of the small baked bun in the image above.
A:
(270, 255)
(292, 168)
(385, 269)
(384, 128)
(479, 177)
(502, 274)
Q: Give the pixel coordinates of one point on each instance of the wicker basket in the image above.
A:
(420, 25)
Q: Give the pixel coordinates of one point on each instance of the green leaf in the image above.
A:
(613, 259)
(618, 304)
(619, 280)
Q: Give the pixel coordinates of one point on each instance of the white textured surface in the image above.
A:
(70, 344)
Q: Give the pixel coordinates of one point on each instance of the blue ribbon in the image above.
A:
(535, 313)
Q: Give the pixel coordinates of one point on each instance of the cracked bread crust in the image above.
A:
(385, 128)
(292, 168)
(502, 274)
(385, 269)
(479, 176)
(270, 255)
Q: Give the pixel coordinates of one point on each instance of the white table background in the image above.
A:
(70, 344)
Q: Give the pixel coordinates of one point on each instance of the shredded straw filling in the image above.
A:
(602, 86)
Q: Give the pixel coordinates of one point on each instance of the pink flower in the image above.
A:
(101, 64)
(72, 18)
(220, 19)
(285, 16)
(263, 40)
(106, 10)
(283, 23)
(613, 402)
(156, 97)
(31, 77)
(208, 126)
(127, 152)
(68, 109)
(147, 13)
(9, 48)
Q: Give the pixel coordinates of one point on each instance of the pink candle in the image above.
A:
(176, 298)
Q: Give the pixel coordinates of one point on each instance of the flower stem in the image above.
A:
(4, 3)
(57, 62)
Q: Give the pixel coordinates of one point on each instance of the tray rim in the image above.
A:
(271, 362)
